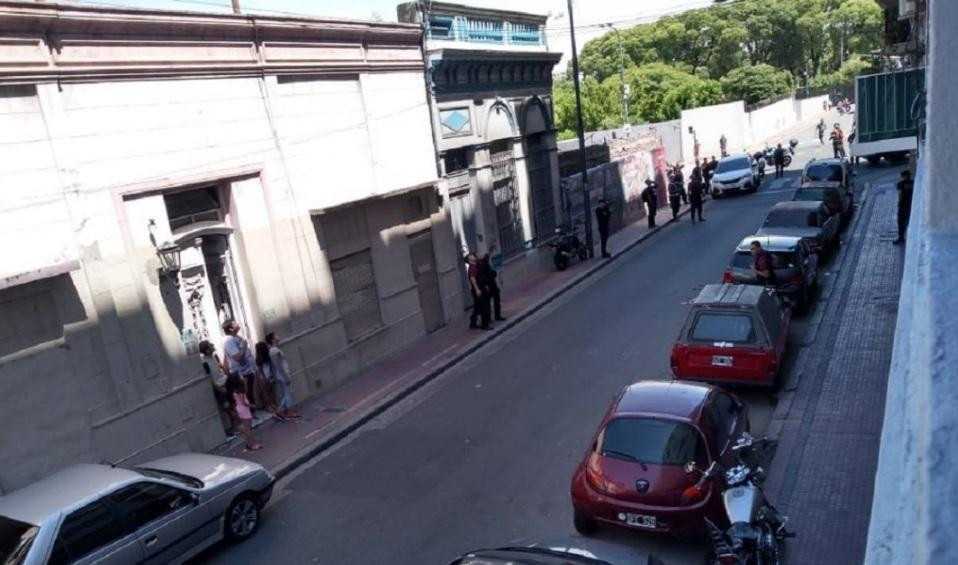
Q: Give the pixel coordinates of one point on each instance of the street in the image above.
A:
(483, 456)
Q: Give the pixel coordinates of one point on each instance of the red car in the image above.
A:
(735, 334)
(634, 473)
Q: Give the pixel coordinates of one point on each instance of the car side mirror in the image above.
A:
(194, 498)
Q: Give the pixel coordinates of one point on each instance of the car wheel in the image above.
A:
(561, 261)
(583, 525)
(873, 160)
(242, 518)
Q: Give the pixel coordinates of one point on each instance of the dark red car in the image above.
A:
(734, 333)
(634, 475)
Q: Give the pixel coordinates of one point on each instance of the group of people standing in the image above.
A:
(678, 193)
(248, 380)
(486, 298)
(837, 137)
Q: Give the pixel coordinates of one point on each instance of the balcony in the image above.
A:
(484, 31)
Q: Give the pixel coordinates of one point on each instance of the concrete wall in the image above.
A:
(96, 357)
(768, 121)
(914, 511)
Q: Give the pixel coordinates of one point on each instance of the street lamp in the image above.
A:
(625, 87)
(168, 254)
(582, 160)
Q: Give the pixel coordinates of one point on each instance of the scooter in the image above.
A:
(757, 531)
(566, 246)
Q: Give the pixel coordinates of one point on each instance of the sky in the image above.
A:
(589, 14)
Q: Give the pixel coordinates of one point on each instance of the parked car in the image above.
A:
(794, 263)
(573, 550)
(835, 174)
(633, 474)
(165, 511)
(733, 334)
(736, 173)
(810, 221)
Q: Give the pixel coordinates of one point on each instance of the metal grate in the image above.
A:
(356, 295)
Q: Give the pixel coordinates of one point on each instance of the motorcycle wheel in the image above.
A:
(788, 160)
(561, 261)
(583, 253)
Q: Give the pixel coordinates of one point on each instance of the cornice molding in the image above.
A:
(66, 42)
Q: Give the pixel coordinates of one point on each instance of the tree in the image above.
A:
(598, 106)
(756, 83)
(660, 92)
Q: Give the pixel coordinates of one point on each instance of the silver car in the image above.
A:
(809, 220)
(165, 511)
(735, 173)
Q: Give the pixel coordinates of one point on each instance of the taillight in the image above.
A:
(728, 277)
(594, 476)
(727, 559)
(692, 494)
(772, 366)
(674, 360)
(796, 279)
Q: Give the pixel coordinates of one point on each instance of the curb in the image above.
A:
(390, 400)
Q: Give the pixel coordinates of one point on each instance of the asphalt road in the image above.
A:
(483, 456)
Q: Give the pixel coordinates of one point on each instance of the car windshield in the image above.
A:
(816, 194)
(823, 172)
(744, 259)
(651, 440)
(15, 540)
(737, 164)
(163, 474)
(791, 219)
(712, 327)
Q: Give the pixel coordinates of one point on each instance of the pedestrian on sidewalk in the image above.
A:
(489, 277)
(217, 375)
(480, 295)
(779, 156)
(239, 356)
(603, 214)
(236, 387)
(723, 145)
(279, 367)
(675, 197)
(821, 127)
(651, 199)
(679, 177)
(906, 187)
(763, 266)
(696, 190)
(837, 138)
(266, 381)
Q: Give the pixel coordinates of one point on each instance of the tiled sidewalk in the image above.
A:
(829, 419)
(331, 416)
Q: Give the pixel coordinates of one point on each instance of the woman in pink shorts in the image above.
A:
(237, 389)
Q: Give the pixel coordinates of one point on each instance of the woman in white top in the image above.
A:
(281, 376)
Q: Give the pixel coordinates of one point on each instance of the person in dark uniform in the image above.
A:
(762, 267)
(489, 277)
(675, 196)
(651, 199)
(779, 156)
(480, 295)
(906, 186)
(709, 173)
(697, 189)
(603, 214)
(680, 179)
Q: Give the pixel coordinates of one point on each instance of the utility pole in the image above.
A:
(625, 87)
(236, 7)
(582, 160)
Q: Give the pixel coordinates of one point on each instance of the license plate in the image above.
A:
(721, 360)
(640, 520)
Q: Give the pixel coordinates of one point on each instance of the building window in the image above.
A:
(192, 207)
(455, 121)
(525, 34)
(455, 160)
(356, 294)
(440, 28)
(506, 198)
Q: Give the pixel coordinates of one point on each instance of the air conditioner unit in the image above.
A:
(907, 8)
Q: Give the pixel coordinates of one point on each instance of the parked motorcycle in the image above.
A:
(757, 531)
(768, 155)
(566, 246)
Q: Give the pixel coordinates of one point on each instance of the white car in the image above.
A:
(735, 173)
(165, 511)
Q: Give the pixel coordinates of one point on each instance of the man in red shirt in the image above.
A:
(762, 267)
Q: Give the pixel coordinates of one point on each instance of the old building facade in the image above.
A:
(489, 77)
(161, 172)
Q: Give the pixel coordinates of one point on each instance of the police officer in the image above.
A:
(675, 196)
(697, 188)
(603, 214)
(779, 156)
(906, 186)
(651, 199)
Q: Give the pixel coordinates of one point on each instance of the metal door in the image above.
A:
(540, 183)
(463, 214)
(424, 270)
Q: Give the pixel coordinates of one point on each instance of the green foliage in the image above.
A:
(842, 78)
(756, 83)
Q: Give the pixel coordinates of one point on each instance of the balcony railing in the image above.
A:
(477, 30)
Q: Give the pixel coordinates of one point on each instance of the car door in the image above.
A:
(829, 223)
(724, 415)
(95, 534)
(809, 261)
(169, 521)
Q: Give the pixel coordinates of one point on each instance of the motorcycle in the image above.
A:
(566, 246)
(768, 154)
(757, 531)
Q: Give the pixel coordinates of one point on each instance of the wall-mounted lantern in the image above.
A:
(168, 254)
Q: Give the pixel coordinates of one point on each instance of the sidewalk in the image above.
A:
(329, 417)
(829, 417)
